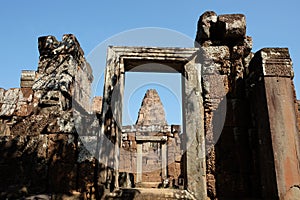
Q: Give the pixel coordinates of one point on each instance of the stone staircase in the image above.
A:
(148, 194)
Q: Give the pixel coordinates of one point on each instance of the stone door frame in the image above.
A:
(184, 60)
(164, 161)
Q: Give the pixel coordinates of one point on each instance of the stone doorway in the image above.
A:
(151, 162)
(144, 149)
(182, 60)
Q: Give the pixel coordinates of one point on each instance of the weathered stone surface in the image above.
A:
(27, 78)
(9, 102)
(97, 104)
(216, 86)
(39, 146)
(206, 24)
(219, 30)
(232, 26)
(270, 80)
(62, 73)
(62, 163)
(23, 164)
(243, 49)
(276, 62)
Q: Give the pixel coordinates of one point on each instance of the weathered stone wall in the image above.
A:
(247, 160)
(227, 52)
(40, 148)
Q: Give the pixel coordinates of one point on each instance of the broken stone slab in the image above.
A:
(232, 26)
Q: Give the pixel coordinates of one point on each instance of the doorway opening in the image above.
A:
(149, 146)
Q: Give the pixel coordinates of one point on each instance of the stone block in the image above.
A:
(275, 62)
(97, 104)
(242, 49)
(2, 92)
(216, 53)
(216, 86)
(232, 26)
(10, 100)
(33, 125)
(206, 23)
(133, 145)
(27, 78)
(178, 157)
(131, 136)
(24, 106)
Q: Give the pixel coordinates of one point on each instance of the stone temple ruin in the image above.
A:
(248, 97)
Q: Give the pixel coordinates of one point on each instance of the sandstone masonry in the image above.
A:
(239, 138)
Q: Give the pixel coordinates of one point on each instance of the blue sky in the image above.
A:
(270, 23)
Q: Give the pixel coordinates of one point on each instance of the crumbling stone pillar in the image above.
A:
(271, 93)
(226, 54)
